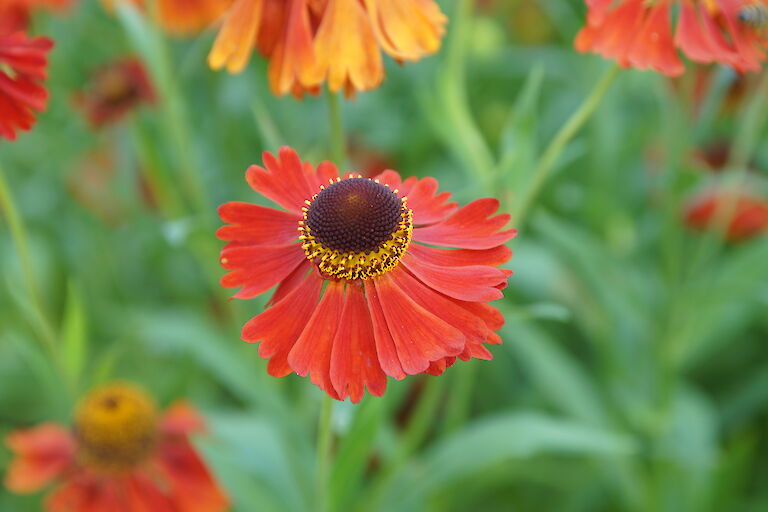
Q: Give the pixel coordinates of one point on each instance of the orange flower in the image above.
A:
(362, 290)
(115, 90)
(639, 33)
(183, 17)
(119, 455)
(747, 214)
(23, 63)
(309, 42)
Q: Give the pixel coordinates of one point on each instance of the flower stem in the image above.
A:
(323, 455)
(338, 144)
(43, 328)
(556, 146)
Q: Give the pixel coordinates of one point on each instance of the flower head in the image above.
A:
(744, 215)
(309, 42)
(120, 454)
(375, 277)
(647, 34)
(23, 63)
(114, 91)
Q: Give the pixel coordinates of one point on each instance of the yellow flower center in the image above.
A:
(115, 427)
(355, 228)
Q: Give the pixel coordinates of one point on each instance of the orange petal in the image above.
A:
(345, 46)
(42, 454)
(234, 44)
(407, 29)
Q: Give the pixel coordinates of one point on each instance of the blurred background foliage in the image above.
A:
(633, 372)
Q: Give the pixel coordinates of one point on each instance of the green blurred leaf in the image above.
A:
(74, 334)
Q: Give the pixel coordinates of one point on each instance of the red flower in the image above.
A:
(115, 90)
(747, 215)
(360, 295)
(639, 33)
(22, 69)
(118, 457)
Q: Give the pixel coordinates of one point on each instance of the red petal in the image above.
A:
(312, 352)
(182, 418)
(258, 268)
(472, 283)
(471, 326)
(291, 282)
(471, 227)
(385, 345)
(390, 178)
(461, 257)
(280, 326)
(354, 363)
(420, 337)
(284, 181)
(654, 47)
(252, 224)
(41, 453)
(429, 207)
(190, 485)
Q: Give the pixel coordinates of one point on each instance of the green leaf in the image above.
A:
(74, 334)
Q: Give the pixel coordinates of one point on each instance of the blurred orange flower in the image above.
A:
(23, 63)
(119, 455)
(747, 215)
(183, 17)
(362, 291)
(639, 33)
(115, 90)
(309, 42)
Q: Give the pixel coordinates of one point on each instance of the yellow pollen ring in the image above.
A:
(358, 265)
(115, 427)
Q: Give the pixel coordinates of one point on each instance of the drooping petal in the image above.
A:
(258, 268)
(279, 327)
(234, 44)
(354, 363)
(290, 283)
(419, 336)
(474, 283)
(407, 29)
(654, 47)
(471, 227)
(346, 49)
(311, 355)
(293, 61)
(471, 326)
(251, 224)
(283, 179)
(41, 454)
(385, 344)
(190, 485)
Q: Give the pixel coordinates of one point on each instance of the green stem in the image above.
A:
(415, 433)
(461, 132)
(45, 333)
(338, 140)
(556, 146)
(322, 473)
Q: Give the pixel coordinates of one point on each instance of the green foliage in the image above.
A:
(632, 374)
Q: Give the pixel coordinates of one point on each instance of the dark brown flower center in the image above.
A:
(356, 228)
(354, 215)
